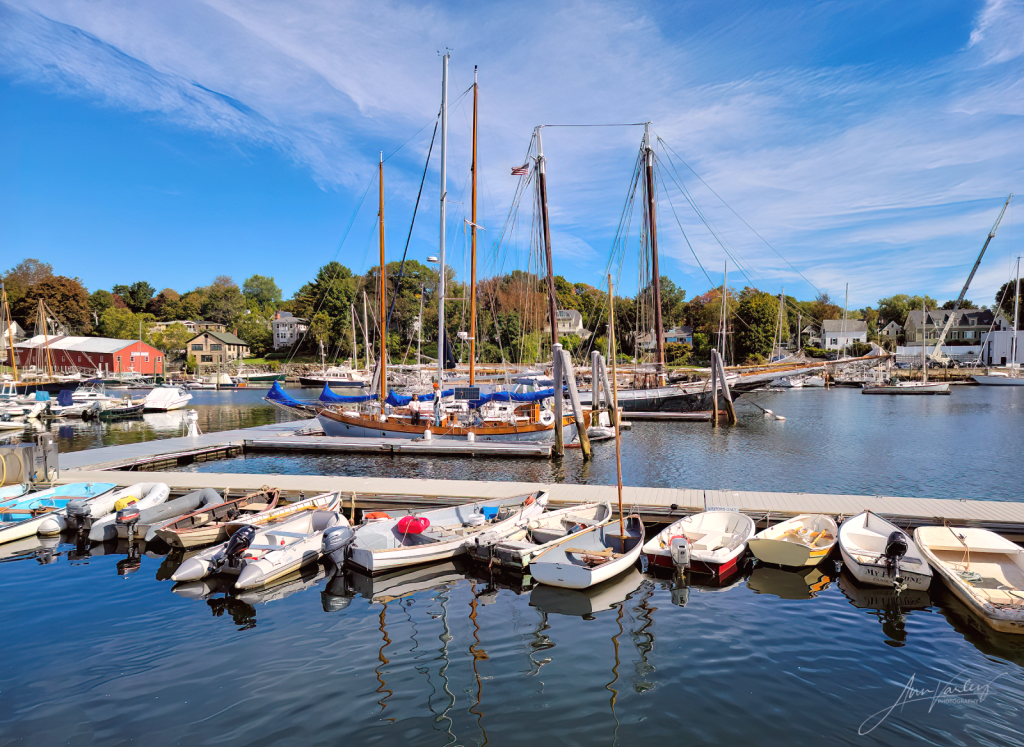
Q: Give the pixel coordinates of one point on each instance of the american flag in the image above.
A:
(521, 170)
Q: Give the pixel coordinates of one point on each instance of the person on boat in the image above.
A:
(415, 409)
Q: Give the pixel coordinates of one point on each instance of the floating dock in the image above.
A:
(400, 446)
(120, 464)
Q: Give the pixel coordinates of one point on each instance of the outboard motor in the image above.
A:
(238, 544)
(129, 517)
(895, 549)
(336, 542)
(79, 514)
(679, 547)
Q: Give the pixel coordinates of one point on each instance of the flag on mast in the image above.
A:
(521, 170)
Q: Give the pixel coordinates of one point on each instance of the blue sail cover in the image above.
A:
(328, 395)
(278, 394)
(401, 400)
(513, 397)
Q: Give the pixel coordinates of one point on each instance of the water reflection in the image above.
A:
(42, 549)
(888, 605)
(789, 583)
(975, 631)
(586, 603)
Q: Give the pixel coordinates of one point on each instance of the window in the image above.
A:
(197, 346)
(835, 341)
(159, 359)
(216, 347)
(206, 359)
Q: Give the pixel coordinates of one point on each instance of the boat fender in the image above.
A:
(679, 547)
(895, 549)
(546, 418)
(413, 524)
(528, 501)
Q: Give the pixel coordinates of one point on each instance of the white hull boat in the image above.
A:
(907, 387)
(878, 553)
(259, 556)
(982, 569)
(814, 381)
(803, 540)
(382, 545)
(166, 398)
(593, 556)
(712, 541)
(148, 496)
(999, 379)
(210, 525)
(547, 530)
(43, 511)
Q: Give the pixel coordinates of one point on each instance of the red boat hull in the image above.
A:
(698, 566)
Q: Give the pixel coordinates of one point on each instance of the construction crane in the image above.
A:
(937, 354)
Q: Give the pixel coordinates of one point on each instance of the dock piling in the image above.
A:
(574, 399)
(556, 375)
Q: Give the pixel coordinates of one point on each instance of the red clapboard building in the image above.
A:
(90, 355)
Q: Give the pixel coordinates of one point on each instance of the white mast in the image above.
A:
(924, 341)
(846, 307)
(1016, 300)
(444, 195)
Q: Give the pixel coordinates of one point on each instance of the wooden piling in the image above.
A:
(574, 398)
(556, 371)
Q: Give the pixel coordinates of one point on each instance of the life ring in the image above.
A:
(547, 418)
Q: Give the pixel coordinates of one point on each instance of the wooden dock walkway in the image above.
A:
(400, 446)
(110, 464)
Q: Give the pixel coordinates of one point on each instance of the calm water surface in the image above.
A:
(95, 655)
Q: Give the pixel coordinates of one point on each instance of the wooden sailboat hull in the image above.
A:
(351, 425)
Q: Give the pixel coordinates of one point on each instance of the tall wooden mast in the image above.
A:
(472, 261)
(6, 310)
(444, 218)
(542, 185)
(383, 297)
(659, 331)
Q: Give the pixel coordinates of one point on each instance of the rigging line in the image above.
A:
(740, 217)
(614, 124)
(421, 129)
(679, 223)
(415, 209)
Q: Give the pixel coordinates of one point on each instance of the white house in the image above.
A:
(570, 322)
(682, 335)
(288, 329)
(837, 334)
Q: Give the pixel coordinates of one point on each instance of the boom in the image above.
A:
(936, 354)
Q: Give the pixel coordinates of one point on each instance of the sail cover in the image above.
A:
(400, 400)
(278, 394)
(513, 397)
(329, 395)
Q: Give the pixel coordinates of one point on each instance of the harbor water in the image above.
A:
(104, 649)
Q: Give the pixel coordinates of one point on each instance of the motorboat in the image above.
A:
(592, 557)
(515, 551)
(336, 376)
(42, 511)
(152, 494)
(982, 569)
(814, 381)
(210, 524)
(389, 543)
(879, 553)
(80, 513)
(135, 522)
(803, 540)
(908, 387)
(259, 555)
(166, 398)
(710, 542)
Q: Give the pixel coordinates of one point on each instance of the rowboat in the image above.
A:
(258, 556)
(394, 543)
(712, 541)
(581, 602)
(43, 511)
(878, 553)
(105, 528)
(515, 551)
(146, 521)
(13, 491)
(209, 525)
(593, 556)
(982, 569)
(802, 540)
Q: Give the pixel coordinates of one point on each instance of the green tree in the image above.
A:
(1004, 301)
(254, 328)
(165, 305)
(136, 295)
(261, 289)
(895, 308)
(20, 278)
(173, 339)
(192, 304)
(823, 308)
(966, 304)
(223, 302)
(124, 324)
(758, 315)
(66, 297)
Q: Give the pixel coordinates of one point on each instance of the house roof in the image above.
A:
(963, 318)
(80, 344)
(852, 326)
(226, 337)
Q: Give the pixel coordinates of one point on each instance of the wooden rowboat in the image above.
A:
(803, 540)
(593, 556)
(210, 525)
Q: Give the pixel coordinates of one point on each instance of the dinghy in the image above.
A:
(984, 571)
(80, 514)
(105, 528)
(439, 534)
(878, 553)
(593, 556)
(210, 525)
(709, 542)
(515, 551)
(260, 555)
(134, 522)
(43, 511)
(803, 540)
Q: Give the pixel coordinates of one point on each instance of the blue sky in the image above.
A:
(870, 143)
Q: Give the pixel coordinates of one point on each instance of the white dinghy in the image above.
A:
(516, 550)
(984, 571)
(878, 553)
(593, 556)
(259, 556)
(139, 497)
(709, 542)
(436, 535)
(802, 540)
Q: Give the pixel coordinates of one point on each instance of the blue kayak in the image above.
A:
(15, 510)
